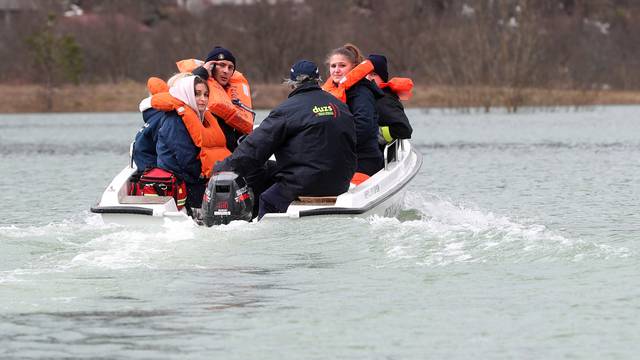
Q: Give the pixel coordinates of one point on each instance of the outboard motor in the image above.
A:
(227, 198)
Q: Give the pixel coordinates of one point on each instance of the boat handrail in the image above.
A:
(385, 152)
(131, 163)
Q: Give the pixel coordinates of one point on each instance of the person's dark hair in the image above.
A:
(350, 51)
(198, 80)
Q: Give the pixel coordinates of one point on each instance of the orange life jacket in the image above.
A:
(220, 97)
(356, 74)
(156, 85)
(206, 135)
(400, 86)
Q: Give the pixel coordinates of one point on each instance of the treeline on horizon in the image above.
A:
(559, 44)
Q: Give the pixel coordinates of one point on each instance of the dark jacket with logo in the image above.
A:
(312, 135)
(361, 99)
(391, 114)
(144, 146)
(176, 151)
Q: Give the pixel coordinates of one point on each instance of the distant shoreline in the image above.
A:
(125, 96)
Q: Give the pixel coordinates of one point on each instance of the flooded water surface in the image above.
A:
(519, 238)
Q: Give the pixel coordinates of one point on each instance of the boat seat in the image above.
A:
(315, 200)
(145, 199)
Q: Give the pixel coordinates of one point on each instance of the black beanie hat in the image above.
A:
(380, 66)
(220, 53)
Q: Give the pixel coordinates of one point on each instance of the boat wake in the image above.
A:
(430, 231)
(87, 244)
(435, 232)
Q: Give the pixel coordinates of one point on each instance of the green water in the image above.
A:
(519, 239)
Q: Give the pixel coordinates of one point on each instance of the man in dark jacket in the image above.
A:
(392, 120)
(312, 135)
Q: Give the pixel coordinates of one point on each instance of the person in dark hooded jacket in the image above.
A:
(176, 150)
(392, 119)
(144, 154)
(312, 135)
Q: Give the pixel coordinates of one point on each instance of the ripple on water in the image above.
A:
(447, 233)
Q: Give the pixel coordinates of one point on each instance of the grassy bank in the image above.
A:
(125, 96)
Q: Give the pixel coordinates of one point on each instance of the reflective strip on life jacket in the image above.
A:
(182, 195)
(356, 74)
(222, 106)
(206, 135)
(400, 86)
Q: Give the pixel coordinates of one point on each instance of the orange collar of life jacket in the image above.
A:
(400, 86)
(356, 74)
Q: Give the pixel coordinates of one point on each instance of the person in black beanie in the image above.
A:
(233, 109)
(222, 64)
(392, 120)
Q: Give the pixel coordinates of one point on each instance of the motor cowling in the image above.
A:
(227, 198)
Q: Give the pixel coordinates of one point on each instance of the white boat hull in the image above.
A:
(382, 195)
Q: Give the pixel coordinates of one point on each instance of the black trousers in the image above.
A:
(260, 180)
(370, 166)
(274, 200)
(195, 192)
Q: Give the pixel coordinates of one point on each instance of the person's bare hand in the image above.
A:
(209, 67)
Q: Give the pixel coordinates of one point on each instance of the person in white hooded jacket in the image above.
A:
(144, 152)
(175, 149)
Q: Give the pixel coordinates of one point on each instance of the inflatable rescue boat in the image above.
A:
(381, 194)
